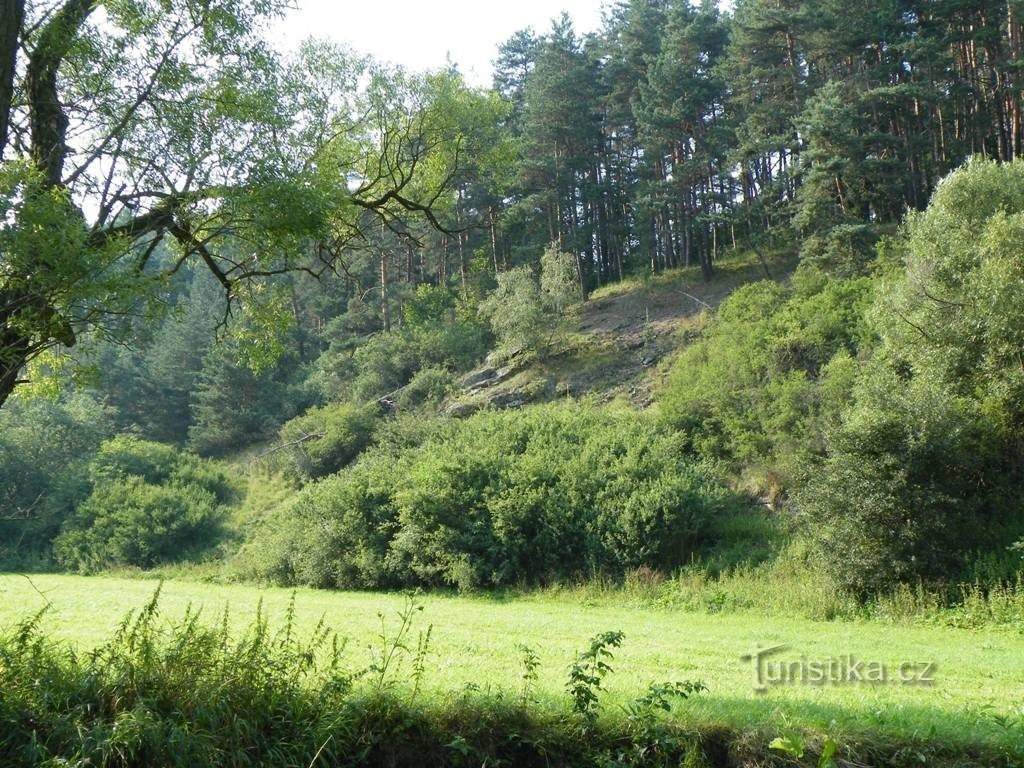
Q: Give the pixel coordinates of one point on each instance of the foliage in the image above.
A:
(559, 284)
(896, 500)
(515, 310)
(587, 672)
(428, 387)
(45, 447)
(324, 440)
(150, 504)
(131, 523)
(497, 499)
(771, 374)
(234, 406)
(260, 156)
(382, 364)
(844, 251)
(924, 467)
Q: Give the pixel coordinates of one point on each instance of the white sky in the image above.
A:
(421, 35)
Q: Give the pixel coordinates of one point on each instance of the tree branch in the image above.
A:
(48, 122)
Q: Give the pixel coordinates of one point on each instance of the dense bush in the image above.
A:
(129, 522)
(427, 388)
(548, 493)
(515, 310)
(927, 465)
(846, 250)
(149, 504)
(45, 447)
(384, 363)
(771, 374)
(898, 498)
(323, 440)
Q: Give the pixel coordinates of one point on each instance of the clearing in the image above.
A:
(975, 700)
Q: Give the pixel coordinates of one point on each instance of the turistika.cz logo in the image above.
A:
(769, 672)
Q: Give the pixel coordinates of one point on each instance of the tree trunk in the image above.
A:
(384, 308)
(14, 354)
(12, 13)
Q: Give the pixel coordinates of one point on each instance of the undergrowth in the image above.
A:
(190, 693)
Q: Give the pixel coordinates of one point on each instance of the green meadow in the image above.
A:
(475, 646)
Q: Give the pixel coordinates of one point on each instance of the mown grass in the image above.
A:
(476, 650)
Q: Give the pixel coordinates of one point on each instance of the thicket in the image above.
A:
(555, 492)
(324, 440)
(924, 471)
(149, 504)
(772, 374)
(45, 447)
(890, 405)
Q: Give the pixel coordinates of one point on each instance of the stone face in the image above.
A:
(476, 378)
(487, 377)
(496, 358)
(461, 410)
(509, 400)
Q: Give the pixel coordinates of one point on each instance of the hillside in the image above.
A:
(620, 344)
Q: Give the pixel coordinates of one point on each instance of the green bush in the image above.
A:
(897, 499)
(386, 362)
(925, 469)
(552, 492)
(323, 440)
(125, 456)
(427, 388)
(45, 447)
(132, 523)
(559, 283)
(149, 504)
(771, 374)
(846, 250)
(515, 310)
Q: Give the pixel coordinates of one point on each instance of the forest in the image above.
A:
(717, 310)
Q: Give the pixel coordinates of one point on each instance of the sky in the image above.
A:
(422, 35)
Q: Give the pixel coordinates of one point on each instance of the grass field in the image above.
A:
(977, 697)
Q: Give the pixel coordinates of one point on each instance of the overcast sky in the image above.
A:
(420, 35)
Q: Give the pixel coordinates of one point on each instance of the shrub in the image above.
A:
(516, 310)
(771, 374)
(132, 523)
(559, 283)
(333, 534)
(386, 362)
(896, 500)
(547, 493)
(926, 467)
(428, 387)
(846, 250)
(149, 504)
(45, 447)
(323, 440)
(125, 456)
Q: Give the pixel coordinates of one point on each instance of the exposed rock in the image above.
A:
(650, 360)
(516, 398)
(461, 410)
(497, 358)
(476, 378)
(497, 377)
